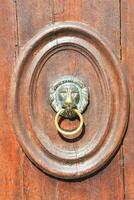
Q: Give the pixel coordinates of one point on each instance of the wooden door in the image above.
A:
(20, 20)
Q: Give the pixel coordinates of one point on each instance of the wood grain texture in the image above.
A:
(104, 16)
(11, 159)
(22, 180)
(127, 44)
(33, 118)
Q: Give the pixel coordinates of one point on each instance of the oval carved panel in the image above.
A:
(65, 49)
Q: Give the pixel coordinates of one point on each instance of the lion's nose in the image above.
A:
(68, 104)
(69, 98)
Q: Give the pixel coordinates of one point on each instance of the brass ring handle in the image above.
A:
(69, 134)
(69, 97)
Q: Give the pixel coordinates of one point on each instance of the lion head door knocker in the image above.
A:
(69, 98)
(99, 98)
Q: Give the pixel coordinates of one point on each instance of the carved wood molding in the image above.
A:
(105, 119)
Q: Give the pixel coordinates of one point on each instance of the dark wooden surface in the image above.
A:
(19, 21)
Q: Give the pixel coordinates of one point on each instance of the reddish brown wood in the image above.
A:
(33, 117)
(20, 179)
(11, 158)
(97, 16)
(127, 43)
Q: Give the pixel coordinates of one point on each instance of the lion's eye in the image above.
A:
(74, 94)
(63, 94)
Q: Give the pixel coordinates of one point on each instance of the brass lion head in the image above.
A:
(69, 92)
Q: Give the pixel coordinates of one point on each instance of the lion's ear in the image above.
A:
(84, 99)
(85, 93)
(51, 95)
(53, 99)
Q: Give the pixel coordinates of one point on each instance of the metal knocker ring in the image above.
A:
(69, 134)
(69, 97)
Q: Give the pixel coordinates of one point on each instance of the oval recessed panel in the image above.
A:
(59, 50)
